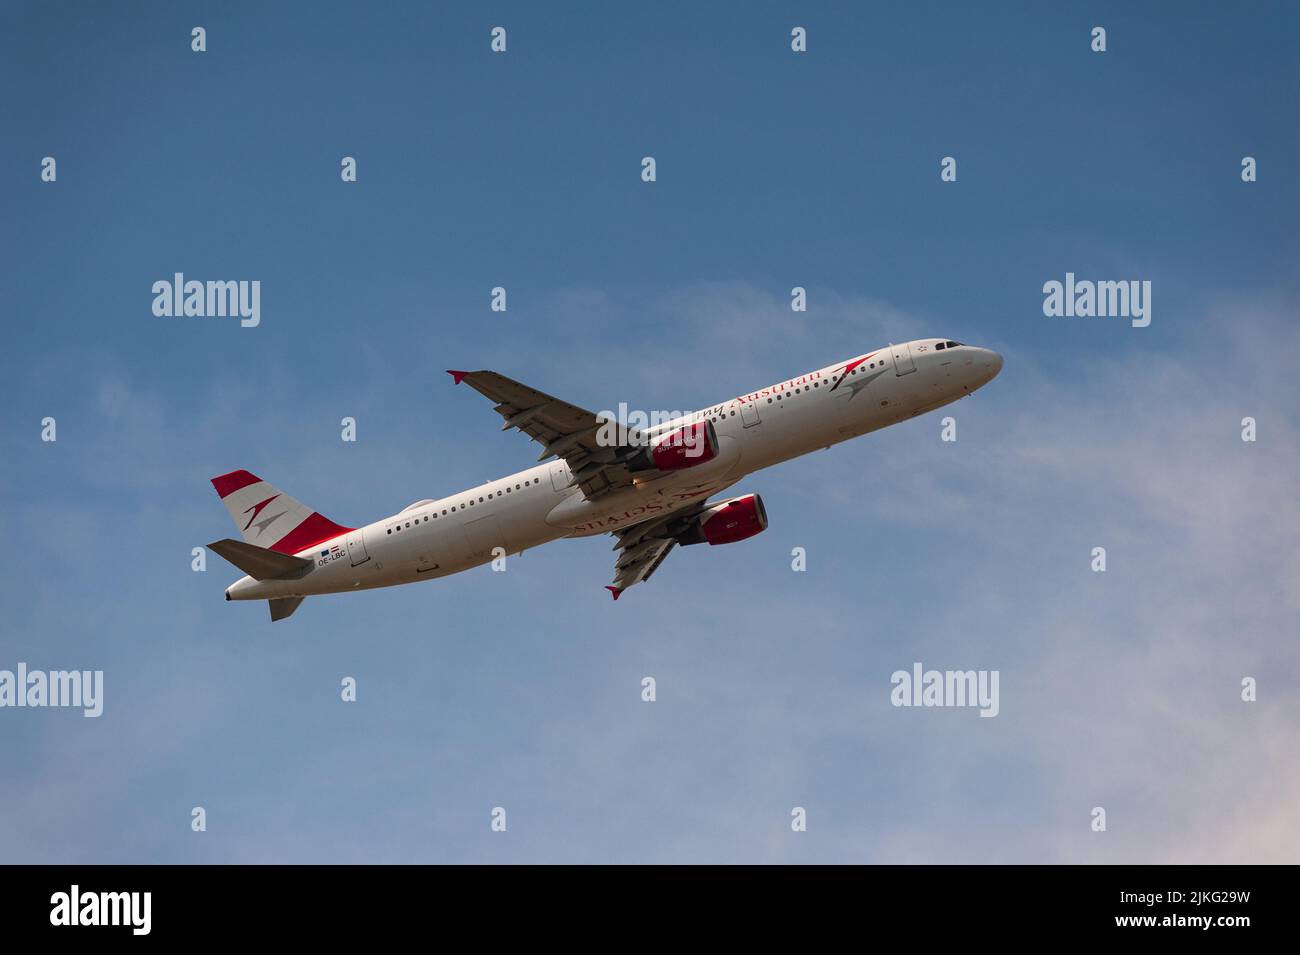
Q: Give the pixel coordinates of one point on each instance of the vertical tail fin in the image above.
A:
(269, 518)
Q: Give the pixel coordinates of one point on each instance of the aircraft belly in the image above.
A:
(648, 499)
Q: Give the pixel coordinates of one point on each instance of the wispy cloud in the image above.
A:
(1118, 689)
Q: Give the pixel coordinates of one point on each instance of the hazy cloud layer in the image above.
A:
(521, 689)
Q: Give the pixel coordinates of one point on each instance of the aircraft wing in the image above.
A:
(562, 429)
(643, 547)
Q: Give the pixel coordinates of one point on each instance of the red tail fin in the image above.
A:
(269, 518)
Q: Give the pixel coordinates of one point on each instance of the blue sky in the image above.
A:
(522, 689)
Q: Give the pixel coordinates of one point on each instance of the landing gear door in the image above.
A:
(903, 364)
(357, 548)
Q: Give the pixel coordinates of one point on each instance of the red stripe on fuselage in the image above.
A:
(228, 484)
(316, 529)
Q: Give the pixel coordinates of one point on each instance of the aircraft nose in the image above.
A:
(987, 365)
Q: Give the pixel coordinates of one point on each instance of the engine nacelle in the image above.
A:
(728, 521)
(686, 447)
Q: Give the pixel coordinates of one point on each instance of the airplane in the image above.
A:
(648, 486)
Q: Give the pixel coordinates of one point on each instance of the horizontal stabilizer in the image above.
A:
(258, 562)
(281, 607)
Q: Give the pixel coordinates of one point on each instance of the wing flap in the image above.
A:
(562, 429)
(644, 547)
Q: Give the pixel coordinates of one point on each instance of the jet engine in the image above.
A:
(683, 448)
(728, 521)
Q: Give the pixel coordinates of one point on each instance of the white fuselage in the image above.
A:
(435, 538)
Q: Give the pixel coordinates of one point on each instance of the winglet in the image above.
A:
(457, 376)
(614, 591)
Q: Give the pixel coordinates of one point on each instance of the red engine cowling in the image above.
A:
(730, 521)
(686, 447)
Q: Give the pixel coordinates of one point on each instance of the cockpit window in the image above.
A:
(952, 344)
(941, 346)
